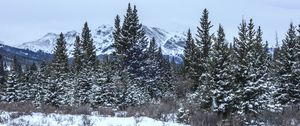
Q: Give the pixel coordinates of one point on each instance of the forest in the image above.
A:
(220, 82)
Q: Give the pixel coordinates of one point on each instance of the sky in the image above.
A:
(27, 20)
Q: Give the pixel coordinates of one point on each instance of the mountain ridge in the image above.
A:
(172, 43)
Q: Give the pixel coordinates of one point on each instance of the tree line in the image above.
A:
(239, 77)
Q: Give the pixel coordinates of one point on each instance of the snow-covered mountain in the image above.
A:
(172, 43)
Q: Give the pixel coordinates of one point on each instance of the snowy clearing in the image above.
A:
(40, 119)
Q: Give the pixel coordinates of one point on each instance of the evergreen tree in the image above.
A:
(89, 49)
(33, 67)
(118, 44)
(77, 55)
(165, 74)
(16, 66)
(250, 70)
(288, 69)
(221, 86)
(29, 82)
(2, 73)
(190, 53)
(60, 57)
(204, 42)
(13, 86)
(134, 36)
(2, 79)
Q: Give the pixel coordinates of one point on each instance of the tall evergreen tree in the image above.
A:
(241, 62)
(2, 79)
(60, 57)
(204, 42)
(221, 86)
(288, 69)
(78, 56)
(190, 56)
(13, 84)
(16, 66)
(2, 73)
(118, 44)
(89, 49)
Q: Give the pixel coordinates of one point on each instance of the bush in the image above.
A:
(164, 111)
(288, 117)
(22, 107)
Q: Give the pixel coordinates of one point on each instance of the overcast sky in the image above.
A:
(27, 20)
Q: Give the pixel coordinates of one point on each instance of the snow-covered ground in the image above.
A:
(40, 119)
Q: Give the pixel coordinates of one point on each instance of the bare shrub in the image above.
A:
(24, 107)
(156, 111)
(105, 111)
(86, 121)
(204, 119)
(86, 110)
(182, 86)
(288, 117)
(47, 109)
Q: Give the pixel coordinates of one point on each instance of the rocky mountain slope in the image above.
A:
(172, 43)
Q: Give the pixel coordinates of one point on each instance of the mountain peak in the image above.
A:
(172, 43)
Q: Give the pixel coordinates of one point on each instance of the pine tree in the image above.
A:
(2, 79)
(250, 70)
(13, 86)
(287, 71)
(221, 86)
(204, 42)
(60, 57)
(166, 86)
(89, 49)
(77, 55)
(2, 73)
(43, 91)
(190, 55)
(16, 66)
(118, 44)
(33, 67)
(133, 44)
(86, 56)
(157, 73)
(135, 39)
(29, 82)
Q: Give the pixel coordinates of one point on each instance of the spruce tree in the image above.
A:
(204, 36)
(221, 86)
(118, 44)
(89, 49)
(60, 57)
(204, 42)
(288, 69)
(2, 73)
(190, 53)
(133, 56)
(13, 86)
(77, 55)
(2, 79)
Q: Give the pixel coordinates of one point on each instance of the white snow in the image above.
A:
(172, 43)
(40, 119)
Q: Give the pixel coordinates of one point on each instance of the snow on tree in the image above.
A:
(204, 42)
(89, 49)
(78, 55)
(288, 69)
(2, 72)
(60, 57)
(13, 86)
(221, 86)
(190, 57)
